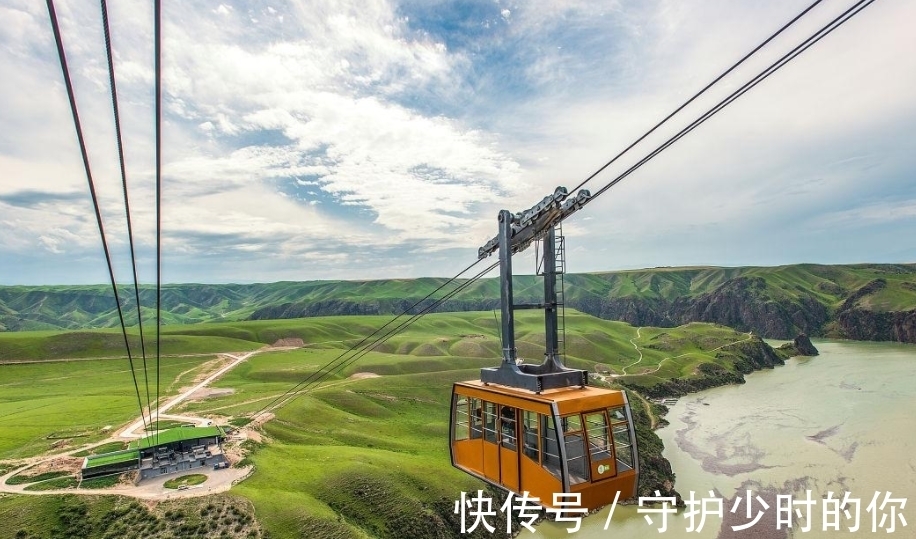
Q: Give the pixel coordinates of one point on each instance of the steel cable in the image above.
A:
(760, 77)
(130, 234)
(157, 54)
(361, 348)
(698, 94)
(95, 201)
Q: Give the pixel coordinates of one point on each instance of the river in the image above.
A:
(843, 421)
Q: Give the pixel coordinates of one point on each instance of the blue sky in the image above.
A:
(377, 139)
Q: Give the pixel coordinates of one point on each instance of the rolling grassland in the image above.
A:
(363, 454)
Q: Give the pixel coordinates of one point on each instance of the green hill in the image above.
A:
(357, 456)
(864, 301)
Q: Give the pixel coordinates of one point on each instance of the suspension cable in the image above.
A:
(367, 337)
(696, 95)
(404, 325)
(157, 31)
(130, 234)
(384, 338)
(317, 376)
(157, 54)
(760, 77)
(95, 201)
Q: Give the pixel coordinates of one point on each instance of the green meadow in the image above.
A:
(56, 405)
(355, 456)
(26, 346)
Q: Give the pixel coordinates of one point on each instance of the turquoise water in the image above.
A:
(842, 421)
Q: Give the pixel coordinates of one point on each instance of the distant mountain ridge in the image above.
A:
(860, 301)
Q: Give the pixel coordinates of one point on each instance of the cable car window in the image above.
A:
(462, 418)
(599, 436)
(617, 414)
(489, 422)
(550, 447)
(623, 446)
(530, 435)
(571, 423)
(576, 460)
(622, 441)
(507, 427)
(476, 408)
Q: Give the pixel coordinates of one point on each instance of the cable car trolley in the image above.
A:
(542, 428)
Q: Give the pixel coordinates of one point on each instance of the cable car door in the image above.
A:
(491, 442)
(600, 448)
(508, 448)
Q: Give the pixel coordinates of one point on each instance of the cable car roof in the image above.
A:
(569, 399)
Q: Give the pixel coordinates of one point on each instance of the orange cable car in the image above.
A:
(540, 428)
(573, 440)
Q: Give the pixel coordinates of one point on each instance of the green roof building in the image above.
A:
(179, 436)
(111, 463)
(169, 451)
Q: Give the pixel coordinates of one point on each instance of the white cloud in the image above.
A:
(406, 137)
(312, 89)
(881, 213)
(849, 95)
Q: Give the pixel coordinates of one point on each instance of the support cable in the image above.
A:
(368, 348)
(157, 31)
(317, 376)
(130, 234)
(95, 201)
(775, 66)
(696, 95)
(361, 345)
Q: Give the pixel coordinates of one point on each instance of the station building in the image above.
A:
(171, 451)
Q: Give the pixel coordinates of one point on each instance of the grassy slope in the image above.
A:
(53, 405)
(355, 457)
(828, 284)
(110, 517)
(56, 344)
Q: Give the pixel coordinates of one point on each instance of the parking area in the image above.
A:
(217, 481)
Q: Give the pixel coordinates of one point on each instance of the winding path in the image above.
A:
(633, 342)
(750, 335)
(130, 432)
(653, 420)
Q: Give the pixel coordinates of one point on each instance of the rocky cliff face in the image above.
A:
(865, 325)
(744, 303)
(804, 346)
(853, 321)
(800, 346)
(748, 304)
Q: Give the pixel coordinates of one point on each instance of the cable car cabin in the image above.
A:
(540, 428)
(569, 440)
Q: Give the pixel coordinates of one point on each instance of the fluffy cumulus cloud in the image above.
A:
(309, 139)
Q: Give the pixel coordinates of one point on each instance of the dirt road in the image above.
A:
(136, 429)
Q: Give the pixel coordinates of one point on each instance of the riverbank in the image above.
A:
(839, 422)
(735, 361)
